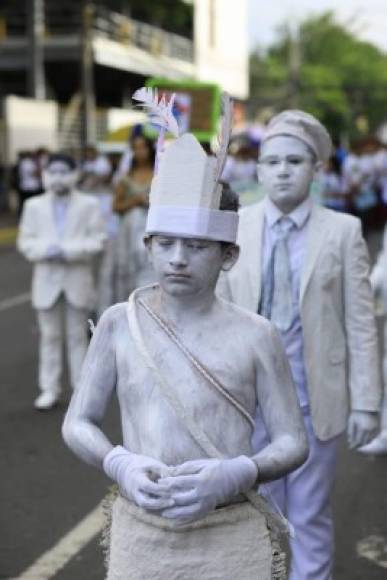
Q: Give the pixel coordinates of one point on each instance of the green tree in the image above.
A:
(325, 70)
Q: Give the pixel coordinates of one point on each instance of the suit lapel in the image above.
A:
(251, 242)
(316, 236)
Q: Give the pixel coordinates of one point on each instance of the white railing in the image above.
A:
(152, 39)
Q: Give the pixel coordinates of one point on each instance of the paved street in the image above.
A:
(46, 492)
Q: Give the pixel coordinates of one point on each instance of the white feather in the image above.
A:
(224, 135)
(159, 111)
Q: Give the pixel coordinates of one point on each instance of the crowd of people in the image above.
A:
(352, 181)
(355, 181)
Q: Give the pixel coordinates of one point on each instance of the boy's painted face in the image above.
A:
(185, 266)
(59, 178)
(286, 169)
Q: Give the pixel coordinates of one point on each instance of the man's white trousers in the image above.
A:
(384, 405)
(304, 497)
(58, 324)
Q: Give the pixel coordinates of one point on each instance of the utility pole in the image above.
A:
(35, 26)
(294, 68)
(88, 134)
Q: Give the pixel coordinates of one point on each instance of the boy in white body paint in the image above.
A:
(306, 269)
(61, 232)
(185, 468)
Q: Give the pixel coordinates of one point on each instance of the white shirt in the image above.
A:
(29, 175)
(292, 339)
(61, 205)
(352, 174)
(239, 170)
(99, 166)
(330, 182)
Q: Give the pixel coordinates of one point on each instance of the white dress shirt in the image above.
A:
(292, 339)
(61, 204)
(99, 166)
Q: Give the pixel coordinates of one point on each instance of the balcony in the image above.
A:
(127, 44)
(118, 41)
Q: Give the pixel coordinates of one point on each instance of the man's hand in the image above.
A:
(138, 478)
(197, 487)
(54, 252)
(362, 428)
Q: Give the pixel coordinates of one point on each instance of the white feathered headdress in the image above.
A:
(185, 194)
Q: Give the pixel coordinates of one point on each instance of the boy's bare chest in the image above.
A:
(185, 358)
(146, 409)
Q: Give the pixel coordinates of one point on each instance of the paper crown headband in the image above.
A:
(186, 190)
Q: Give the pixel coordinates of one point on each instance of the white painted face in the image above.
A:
(286, 169)
(59, 178)
(188, 267)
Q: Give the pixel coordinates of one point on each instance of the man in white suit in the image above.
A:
(306, 268)
(60, 233)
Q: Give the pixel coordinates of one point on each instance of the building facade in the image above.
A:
(90, 56)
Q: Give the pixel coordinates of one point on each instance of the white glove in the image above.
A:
(197, 487)
(137, 477)
(54, 252)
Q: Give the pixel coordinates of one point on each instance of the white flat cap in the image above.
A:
(303, 126)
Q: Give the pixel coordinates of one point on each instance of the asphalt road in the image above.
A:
(46, 491)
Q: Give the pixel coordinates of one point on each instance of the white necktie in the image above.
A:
(281, 311)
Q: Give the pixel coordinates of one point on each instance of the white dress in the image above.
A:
(133, 267)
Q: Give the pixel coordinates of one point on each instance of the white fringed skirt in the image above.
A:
(231, 543)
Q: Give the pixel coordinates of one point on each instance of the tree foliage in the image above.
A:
(327, 71)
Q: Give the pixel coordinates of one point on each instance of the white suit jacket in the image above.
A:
(83, 238)
(336, 304)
